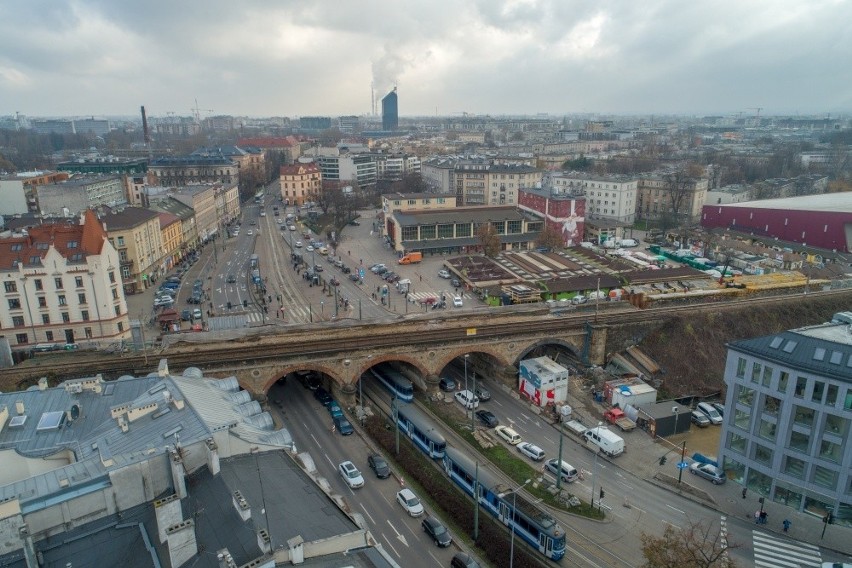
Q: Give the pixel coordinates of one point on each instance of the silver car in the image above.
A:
(709, 472)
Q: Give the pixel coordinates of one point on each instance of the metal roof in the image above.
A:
(830, 202)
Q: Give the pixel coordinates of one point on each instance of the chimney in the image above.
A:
(182, 543)
(168, 513)
(241, 505)
(19, 407)
(42, 384)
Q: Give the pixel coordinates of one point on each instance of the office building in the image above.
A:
(390, 111)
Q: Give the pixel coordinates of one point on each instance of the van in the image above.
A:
(411, 258)
(629, 243)
(601, 439)
(467, 399)
(564, 469)
(710, 412)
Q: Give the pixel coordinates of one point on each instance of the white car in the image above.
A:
(310, 248)
(508, 434)
(292, 227)
(298, 244)
(351, 475)
(444, 274)
(467, 399)
(531, 451)
(457, 301)
(250, 232)
(410, 502)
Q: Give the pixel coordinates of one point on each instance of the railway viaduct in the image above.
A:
(495, 341)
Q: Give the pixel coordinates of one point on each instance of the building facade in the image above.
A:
(300, 183)
(390, 111)
(171, 235)
(658, 194)
(61, 284)
(563, 212)
(487, 183)
(357, 169)
(136, 234)
(202, 200)
(74, 196)
(394, 167)
(189, 170)
(392, 202)
(787, 418)
(607, 197)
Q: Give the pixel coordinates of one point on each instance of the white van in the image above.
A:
(566, 470)
(608, 442)
(467, 399)
(629, 243)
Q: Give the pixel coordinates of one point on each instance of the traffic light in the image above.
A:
(245, 303)
(602, 493)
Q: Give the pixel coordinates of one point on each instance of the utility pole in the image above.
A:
(476, 505)
(559, 474)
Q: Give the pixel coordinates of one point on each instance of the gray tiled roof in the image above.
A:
(825, 350)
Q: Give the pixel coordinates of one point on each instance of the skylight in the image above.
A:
(819, 354)
(776, 342)
(790, 346)
(50, 421)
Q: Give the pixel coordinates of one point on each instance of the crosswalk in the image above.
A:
(771, 551)
(420, 296)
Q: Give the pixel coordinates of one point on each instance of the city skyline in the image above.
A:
(89, 57)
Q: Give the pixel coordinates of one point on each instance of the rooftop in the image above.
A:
(829, 202)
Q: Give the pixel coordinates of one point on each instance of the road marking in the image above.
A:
(391, 546)
(399, 536)
(676, 509)
(438, 562)
(552, 441)
(497, 402)
(332, 463)
(372, 520)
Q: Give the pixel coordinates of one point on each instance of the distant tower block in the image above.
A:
(390, 111)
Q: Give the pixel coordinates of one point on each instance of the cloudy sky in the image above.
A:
(309, 57)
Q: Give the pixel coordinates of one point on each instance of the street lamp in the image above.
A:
(514, 493)
(465, 370)
(322, 309)
(675, 410)
(595, 473)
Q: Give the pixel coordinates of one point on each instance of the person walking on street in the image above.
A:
(757, 517)
(786, 524)
(745, 490)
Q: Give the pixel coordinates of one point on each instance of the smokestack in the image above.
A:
(145, 127)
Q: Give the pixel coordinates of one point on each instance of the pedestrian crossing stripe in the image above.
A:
(421, 295)
(780, 552)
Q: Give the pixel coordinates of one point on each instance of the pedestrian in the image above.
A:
(763, 517)
(745, 490)
(421, 278)
(786, 524)
(757, 517)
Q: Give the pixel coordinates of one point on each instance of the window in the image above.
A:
(42, 302)
(836, 425)
(803, 415)
(18, 321)
(62, 301)
(120, 241)
(831, 396)
(72, 244)
(120, 326)
(65, 317)
(825, 477)
(799, 441)
(830, 451)
(84, 314)
(737, 443)
(35, 259)
(762, 454)
(48, 335)
(801, 385)
(782, 381)
(794, 467)
(81, 298)
(45, 319)
(445, 231)
(755, 372)
(38, 285)
(78, 281)
(114, 294)
(819, 389)
(88, 332)
(22, 338)
(742, 418)
(10, 286)
(14, 304)
(409, 233)
(117, 310)
(741, 367)
(767, 376)
(745, 395)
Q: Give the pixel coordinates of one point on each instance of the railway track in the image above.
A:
(417, 331)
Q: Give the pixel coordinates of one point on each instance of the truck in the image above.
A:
(411, 258)
(616, 416)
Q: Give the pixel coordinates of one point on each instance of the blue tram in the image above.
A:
(533, 525)
(394, 382)
(420, 429)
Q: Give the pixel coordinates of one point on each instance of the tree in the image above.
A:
(697, 545)
(488, 239)
(550, 238)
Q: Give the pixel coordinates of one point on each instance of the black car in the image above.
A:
(231, 278)
(437, 531)
(354, 277)
(378, 464)
(462, 560)
(487, 418)
(322, 395)
(317, 268)
(455, 283)
(447, 384)
(482, 394)
(346, 269)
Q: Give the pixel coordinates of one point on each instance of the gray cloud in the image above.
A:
(259, 58)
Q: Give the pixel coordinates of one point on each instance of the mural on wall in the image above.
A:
(565, 216)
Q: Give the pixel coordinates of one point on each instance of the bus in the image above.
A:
(258, 198)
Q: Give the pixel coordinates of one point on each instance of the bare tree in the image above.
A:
(697, 545)
(488, 239)
(550, 238)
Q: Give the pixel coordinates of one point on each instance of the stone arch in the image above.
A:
(496, 356)
(317, 367)
(548, 341)
(374, 360)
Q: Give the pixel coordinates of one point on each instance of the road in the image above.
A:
(310, 425)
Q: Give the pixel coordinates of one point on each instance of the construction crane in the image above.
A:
(197, 111)
(757, 115)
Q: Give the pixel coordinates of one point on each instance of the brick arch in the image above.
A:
(548, 341)
(286, 370)
(495, 352)
(389, 357)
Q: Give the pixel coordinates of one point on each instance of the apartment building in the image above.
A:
(136, 235)
(660, 194)
(179, 171)
(72, 197)
(394, 167)
(202, 200)
(300, 182)
(61, 284)
(487, 183)
(607, 197)
(346, 167)
(171, 235)
(189, 231)
(787, 418)
(393, 202)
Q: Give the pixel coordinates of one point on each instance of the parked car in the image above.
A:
(708, 471)
(447, 384)
(710, 412)
(720, 408)
(467, 399)
(409, 502)
(482, 393)
(455, 283)
(463, 560)
(186, 315)
(163, 302)
(508, 434)
(231, 278)
(250, 232)
(322, 396)
(196, 313)
(342, 425)
(531, 451)
(379, 466)
(309, 248)
(351, 475)
(457, 301)
(568, 472)
(699, 419)
(354, 277)
(487, 418)
(298, 244)
(444, 274)
(437, 531)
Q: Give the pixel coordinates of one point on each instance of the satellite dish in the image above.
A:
(74, 413)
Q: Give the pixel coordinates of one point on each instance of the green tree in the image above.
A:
(697, 545)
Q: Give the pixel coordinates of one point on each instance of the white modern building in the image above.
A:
(607, 197)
